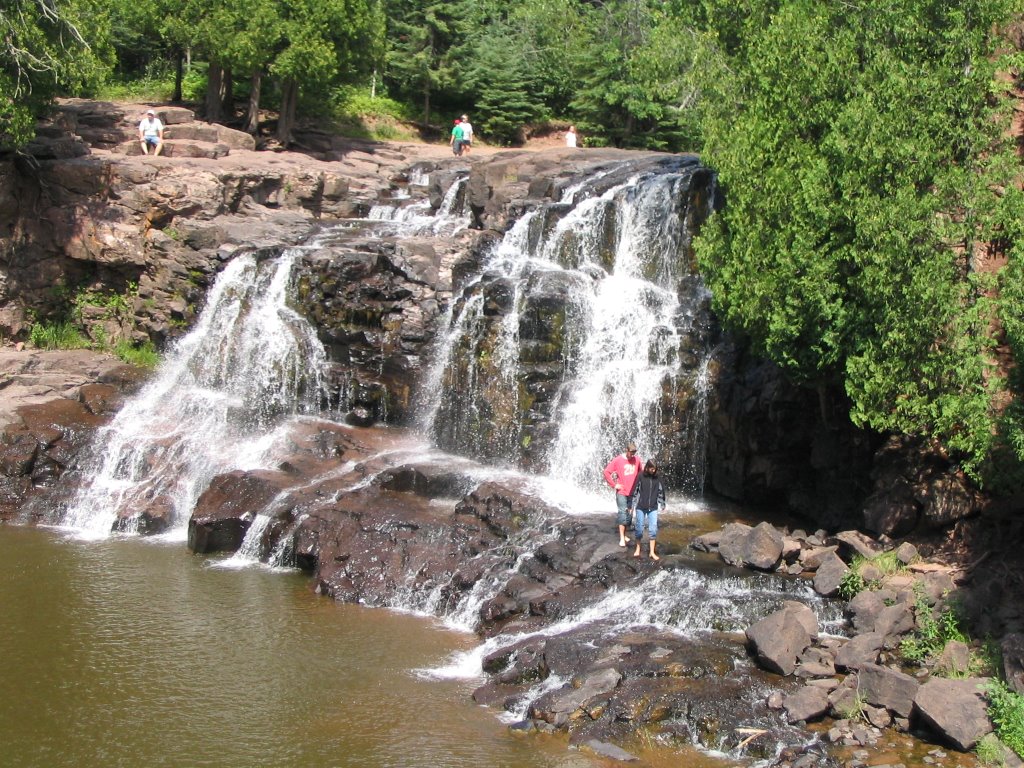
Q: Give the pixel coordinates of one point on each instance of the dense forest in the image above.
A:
(871, 236)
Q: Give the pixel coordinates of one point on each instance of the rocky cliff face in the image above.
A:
(131, 243)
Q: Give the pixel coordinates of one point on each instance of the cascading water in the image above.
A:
(587, 328)
(418, 217)
(249, 364)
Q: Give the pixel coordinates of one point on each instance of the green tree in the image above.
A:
(47, 48)
(322, 41)
(423, 38)
(632, 73)
(863, 159)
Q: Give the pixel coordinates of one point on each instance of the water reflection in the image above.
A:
(128, 653)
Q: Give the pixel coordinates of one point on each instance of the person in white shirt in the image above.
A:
(151, 133)
(467, 135)
(570, 136)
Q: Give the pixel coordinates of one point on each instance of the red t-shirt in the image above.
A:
(623, 470)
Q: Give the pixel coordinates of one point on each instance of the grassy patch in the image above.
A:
(60, 335)
(990, 751)
(854, 582)
(142, 355)
(933, 632)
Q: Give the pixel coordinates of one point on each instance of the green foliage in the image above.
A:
(506, 89)
(933, 632)
(421, 57)
(634, 87)
(113, 304)
(1006, 710)
(46, 49)
(142, 355)
(57, 335)
(853, 709)
(852, 584)
(990, 751)
(861, 154)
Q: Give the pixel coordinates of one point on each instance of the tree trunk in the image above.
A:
(286, 119)
(228, 95)
(426, 103)
(214, 93)
(252, 118)
(179, 74)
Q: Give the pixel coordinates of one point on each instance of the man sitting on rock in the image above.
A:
(151, 133)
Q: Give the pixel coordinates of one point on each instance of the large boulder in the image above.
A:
(778, 639)
(226, 509)
(955, 710)
(889, 688)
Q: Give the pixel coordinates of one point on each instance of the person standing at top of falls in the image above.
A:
(570, 137)
(457, 138)
(467, 134)
(621, 474)
(647, 499)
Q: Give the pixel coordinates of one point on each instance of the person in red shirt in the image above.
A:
(621, 474)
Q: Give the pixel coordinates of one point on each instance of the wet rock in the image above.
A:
(763, 548)
(732, 544)
(225, 510)
(807, 704)
(778, 640)
(612, 752)
(954, 709)
(577, 700)
(830, 575)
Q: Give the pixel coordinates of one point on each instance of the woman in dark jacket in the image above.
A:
(647, 499)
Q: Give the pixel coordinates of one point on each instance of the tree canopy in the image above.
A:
(46, 48)
(867, 167)
(872, 227)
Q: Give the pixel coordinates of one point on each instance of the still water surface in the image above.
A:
(130, 652)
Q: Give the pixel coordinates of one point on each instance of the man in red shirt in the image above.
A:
(621, 474)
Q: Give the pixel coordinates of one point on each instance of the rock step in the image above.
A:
(178, 148)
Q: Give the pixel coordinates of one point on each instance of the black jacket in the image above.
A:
(648, 493)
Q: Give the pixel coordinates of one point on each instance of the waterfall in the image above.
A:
(218, 402)
(586, 328)
(418, 218)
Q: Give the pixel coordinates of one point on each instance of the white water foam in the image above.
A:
(220, 401)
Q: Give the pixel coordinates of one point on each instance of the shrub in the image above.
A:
(1006, 709)
(143, 355)
(933, 632)
(62, 335)
(852, 584)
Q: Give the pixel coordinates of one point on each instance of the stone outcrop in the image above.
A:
(860, 676)
(52, 404)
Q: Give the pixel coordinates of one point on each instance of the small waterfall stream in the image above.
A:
(585, 329)
(248, 365)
